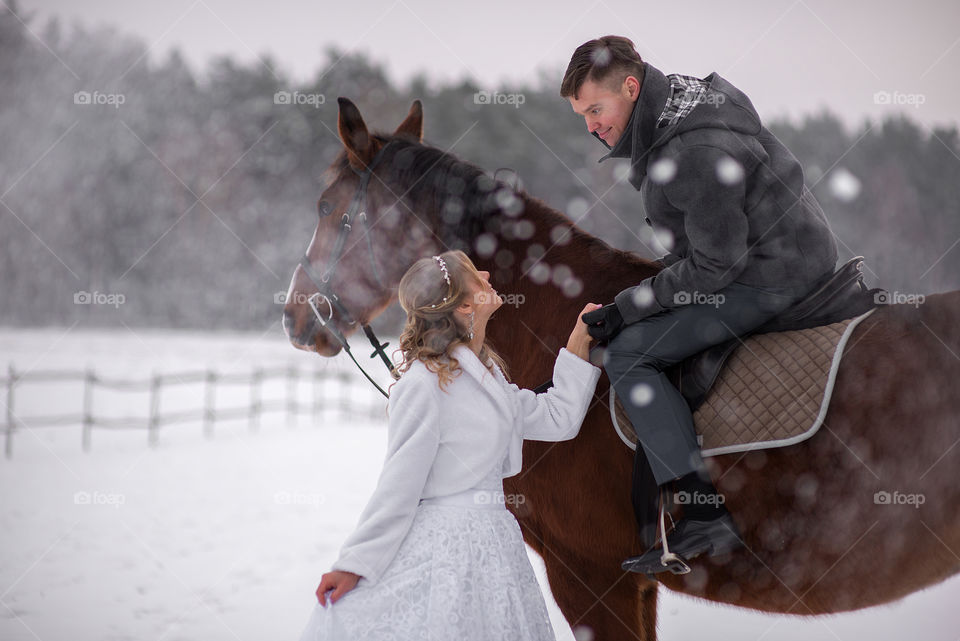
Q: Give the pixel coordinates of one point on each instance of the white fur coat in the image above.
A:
(442, 442)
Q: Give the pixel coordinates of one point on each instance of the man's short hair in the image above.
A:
(609, 60)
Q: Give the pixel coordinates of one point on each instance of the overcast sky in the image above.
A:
(792, 57)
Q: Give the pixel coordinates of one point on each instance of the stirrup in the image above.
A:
(670, 560)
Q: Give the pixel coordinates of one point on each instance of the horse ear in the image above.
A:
(356, 139)
(413, 123)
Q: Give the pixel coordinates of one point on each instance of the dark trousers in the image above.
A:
(636, 358)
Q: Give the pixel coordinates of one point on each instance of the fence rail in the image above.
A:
(332, 392)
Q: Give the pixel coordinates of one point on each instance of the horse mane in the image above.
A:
(467, 200)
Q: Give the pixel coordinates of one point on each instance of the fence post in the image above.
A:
(209, 402)
(293, 380)
(89, 379)
(153, 432)
(315, 390)
(345, 391)
(11, 378)
(255, 399)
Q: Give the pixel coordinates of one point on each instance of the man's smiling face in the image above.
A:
(605, 108)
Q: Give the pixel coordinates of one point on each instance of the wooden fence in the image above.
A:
(332, 393)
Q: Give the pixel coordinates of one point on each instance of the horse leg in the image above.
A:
(602, 599)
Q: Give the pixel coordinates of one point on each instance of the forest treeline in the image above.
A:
(171, 198)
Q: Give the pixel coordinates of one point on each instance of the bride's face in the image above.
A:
(484, 298)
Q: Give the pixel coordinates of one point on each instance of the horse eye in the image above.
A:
(324, 208)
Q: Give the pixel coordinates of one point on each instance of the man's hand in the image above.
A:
(604, 323)
(339, 581)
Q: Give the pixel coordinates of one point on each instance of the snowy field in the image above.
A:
(226, 538)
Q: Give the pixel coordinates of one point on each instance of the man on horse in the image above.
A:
(746, 239)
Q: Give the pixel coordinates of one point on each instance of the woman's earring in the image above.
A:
(471, 325)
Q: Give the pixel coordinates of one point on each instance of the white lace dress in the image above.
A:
(461, 573)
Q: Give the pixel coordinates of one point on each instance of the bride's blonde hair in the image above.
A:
(429, 292)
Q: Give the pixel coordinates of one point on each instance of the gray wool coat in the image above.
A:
(728, 191)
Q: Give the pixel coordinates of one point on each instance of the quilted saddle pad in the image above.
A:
(774, 390)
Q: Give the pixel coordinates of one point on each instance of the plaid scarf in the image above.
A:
(686, 93)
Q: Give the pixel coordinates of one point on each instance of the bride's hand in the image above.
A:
(579, 342)
(339, 581)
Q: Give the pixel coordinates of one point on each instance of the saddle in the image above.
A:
(836, 297)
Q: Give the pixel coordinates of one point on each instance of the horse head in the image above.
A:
(363, 241)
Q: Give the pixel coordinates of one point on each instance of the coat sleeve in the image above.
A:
(413, 437)
(557, 414)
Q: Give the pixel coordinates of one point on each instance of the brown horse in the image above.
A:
(820, 536)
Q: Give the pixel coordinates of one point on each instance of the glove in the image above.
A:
(604, 323)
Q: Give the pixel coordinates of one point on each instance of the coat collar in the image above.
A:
(493, 383)
(641, 136)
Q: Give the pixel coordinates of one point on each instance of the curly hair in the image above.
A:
(431, 332)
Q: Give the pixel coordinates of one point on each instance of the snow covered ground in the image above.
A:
(226, 538)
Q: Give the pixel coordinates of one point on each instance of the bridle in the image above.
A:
(325, 296)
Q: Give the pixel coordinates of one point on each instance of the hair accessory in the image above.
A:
(443, 268)
(446, 274)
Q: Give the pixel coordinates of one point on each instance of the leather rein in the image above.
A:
(325, 298)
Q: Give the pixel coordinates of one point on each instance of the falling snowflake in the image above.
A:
(583, 633)
(523, 229)
(577, 207)
(641, 394)
(844, 185)
(560, 274)
(572, 287)
(486, 244)
(452, 210)
(621, 171)
(601, 57)
(662, 171)
(642, 296)
(540, 273)
(814, 173)
(560, 235)
(508, 201)
(729, 171)
(664, 238)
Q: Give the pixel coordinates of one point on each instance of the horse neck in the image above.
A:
(539, 314)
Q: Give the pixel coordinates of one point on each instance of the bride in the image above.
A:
(436, 554)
